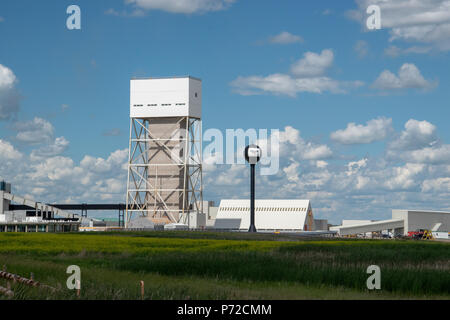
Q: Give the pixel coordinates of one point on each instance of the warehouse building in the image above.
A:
(270, 215)
(402, 222)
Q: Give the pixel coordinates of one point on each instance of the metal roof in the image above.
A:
(270, 214)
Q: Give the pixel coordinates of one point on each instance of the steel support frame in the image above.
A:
(140, 189)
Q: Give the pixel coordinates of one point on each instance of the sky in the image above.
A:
(363, 113)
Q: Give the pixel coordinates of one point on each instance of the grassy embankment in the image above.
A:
(182, 265)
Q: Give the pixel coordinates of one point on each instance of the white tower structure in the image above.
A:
(165, 150)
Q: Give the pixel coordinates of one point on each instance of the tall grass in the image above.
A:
(408, 268)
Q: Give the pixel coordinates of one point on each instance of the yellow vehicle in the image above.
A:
(427, 235)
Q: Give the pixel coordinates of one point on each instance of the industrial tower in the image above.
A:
(165, 150)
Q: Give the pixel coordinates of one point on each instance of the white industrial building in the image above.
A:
(402, 222)
(270, 215)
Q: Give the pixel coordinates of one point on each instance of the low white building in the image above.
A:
(270, 215)
(401, 223)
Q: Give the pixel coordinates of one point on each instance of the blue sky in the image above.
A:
(77, 81)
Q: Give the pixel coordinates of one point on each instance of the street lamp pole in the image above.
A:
(252, 199)
(252, 155)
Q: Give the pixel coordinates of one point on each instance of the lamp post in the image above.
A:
(252, 154)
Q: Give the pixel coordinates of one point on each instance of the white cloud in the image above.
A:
(283, 84)
(307, 76)
(292, 145)
(182, 6)
(54, 168)
(137, 12)
(419, 143)
(291, 172)
(56, 148)
(7, 78)
(321, 164)
(313, 152)
(35, 131)
(234, 176)
(353, 167)
(434, 155)
(404, 177)
(417, 134)
(374, 130)
(408, 77)
(285, 38)
(9, 98)
(100, 165)
(8, 152)
(436, 185)
(313, 64)
(411, 20)
(61, 179)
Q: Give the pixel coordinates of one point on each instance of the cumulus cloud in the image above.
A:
(313, 64)
(434, 155)
(408, 77)
(374, 130)
(285, 38)
(7, 78)
(49, 178)
(9, 97)
(181, 6)
(57, 147)
(436, 185)
(419, 143)
(404, 177)
(35, 131)
(8, 152)
(425, 22)
(292, 145)
(283, 84)
(353, 167)
(100, 165)
(416, 135)
(307, 75)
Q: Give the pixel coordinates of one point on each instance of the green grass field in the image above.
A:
(204, 265)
